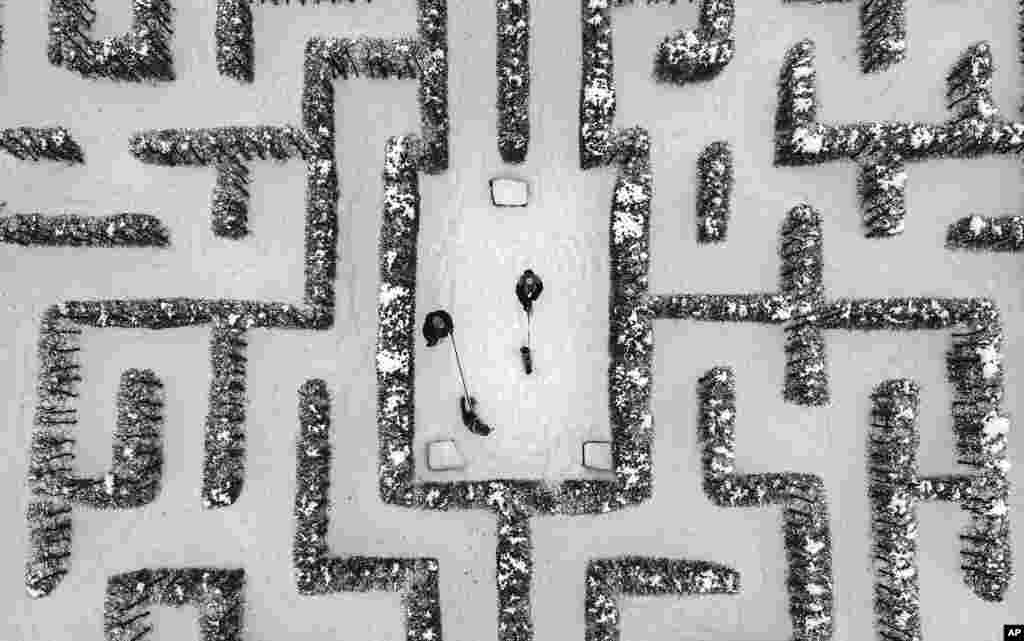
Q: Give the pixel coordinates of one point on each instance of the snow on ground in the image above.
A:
(470, 255)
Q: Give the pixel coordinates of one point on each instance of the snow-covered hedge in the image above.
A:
(686, 56)
(69, 230)
(133, 480)
(233, 39)
(513, 67)
(608, 579)
(975, 367)
(230, 208)
(883, 34)
(631, 338)
(233, 35)
(798, 306)
(216, 593)
(801, 282)
(223, 465)
(883, 194)
(143, 54)
(896, 486)
(714, 192)
(45, 143)
(425, 57)
(882, 148)
(226, 149)
(55, 144)
(805, 522)
(316, 570)
(515, 502)
(997, 234)
(698, 54)
(892, 469)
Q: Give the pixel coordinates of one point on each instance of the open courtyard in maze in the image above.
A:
(773, 368)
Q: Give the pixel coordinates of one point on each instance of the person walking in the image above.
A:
(528, 290)
(437, 326)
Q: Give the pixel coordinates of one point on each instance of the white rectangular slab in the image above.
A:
(509, 192)
(443, 456)
(597, 455)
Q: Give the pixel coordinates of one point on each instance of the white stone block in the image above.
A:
(443, 456)
(509, 192)
(597, 455)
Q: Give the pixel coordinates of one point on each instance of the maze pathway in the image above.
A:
(778, 247)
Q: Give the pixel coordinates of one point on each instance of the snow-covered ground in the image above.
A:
(470, 255)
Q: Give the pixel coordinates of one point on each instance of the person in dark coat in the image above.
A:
(528, 290)
(437, 326)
